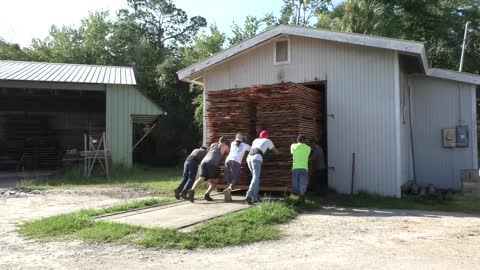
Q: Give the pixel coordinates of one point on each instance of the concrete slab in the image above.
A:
(180, 215)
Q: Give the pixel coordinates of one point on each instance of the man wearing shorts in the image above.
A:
(209, 169)
(300, 152)
(238, 148)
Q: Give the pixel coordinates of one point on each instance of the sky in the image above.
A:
(22, 20)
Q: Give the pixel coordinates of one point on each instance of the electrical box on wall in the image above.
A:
(449, 137)
(462, 136)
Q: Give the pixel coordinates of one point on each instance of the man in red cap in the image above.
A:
(260, 146)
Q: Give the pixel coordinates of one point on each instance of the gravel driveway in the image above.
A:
(328, 239)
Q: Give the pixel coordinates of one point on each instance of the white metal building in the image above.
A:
(383, 103)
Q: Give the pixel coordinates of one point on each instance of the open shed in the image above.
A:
(383, 104)
(46, 108)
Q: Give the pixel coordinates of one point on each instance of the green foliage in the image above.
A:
(301, 12)
(204, 45)
(162, 22)
(11, 51)
(438, 23)
(251, 27)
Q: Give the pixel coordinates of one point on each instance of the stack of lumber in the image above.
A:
(285, 110)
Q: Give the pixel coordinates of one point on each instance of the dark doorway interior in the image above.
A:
(322, 122)
(38, 126)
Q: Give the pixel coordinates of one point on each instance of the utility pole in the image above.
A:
(463, 45)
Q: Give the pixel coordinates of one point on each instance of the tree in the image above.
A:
(251, 27)
(438, 23)
(203, 46)
(11, 51)
(301, 12)
(163, 22)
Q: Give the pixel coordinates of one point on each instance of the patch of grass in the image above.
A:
(248, 226)
(457, 203)
(103, 231)
(67, 224)
(159, 180)
(251, 225)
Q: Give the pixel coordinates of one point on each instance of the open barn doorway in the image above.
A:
(319, 179)
(285, 110)
(42, 130)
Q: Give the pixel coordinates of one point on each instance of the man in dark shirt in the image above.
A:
(319, 174)
(190, 168)
(210, 169)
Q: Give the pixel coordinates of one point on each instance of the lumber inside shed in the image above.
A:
(285, 110)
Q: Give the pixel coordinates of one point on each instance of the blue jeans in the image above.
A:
(299, 181)
(189, 173)
(255, 167)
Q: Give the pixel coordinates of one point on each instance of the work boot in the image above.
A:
(207, 197)
(249, 201)
(176, 193)
(183, 195)
(228, 195)
(191, 195)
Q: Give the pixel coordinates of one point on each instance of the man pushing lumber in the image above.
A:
(190, 168)
(260, 146)
(300, 152)
(233, 163)
(209, 169)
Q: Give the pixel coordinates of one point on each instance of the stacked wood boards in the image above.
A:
(284, 110)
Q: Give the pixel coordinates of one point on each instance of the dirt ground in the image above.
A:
(328, 239)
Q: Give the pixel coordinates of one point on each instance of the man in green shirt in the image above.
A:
(300, 152)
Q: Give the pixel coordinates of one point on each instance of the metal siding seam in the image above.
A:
(8, 69)
(24, 71)
(127, 76)
(85, 74)
(121, 122)
(113, 76)
(79, 73)
(397, 122)
(39, 72)
(93, 71)
(129, 127)
(45, 72)
(34, 72)
(132, 77)
(118, 75)
(71, 74)
(65, 73)
(101, 75)
(128, 120)
(50, 73)
(107, 118)
(124, 75)
(474, 127)
(115, 127)
(59, 73)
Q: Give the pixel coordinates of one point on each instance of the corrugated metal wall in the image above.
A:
(122, 102)
(439, 104)
(361, 100)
